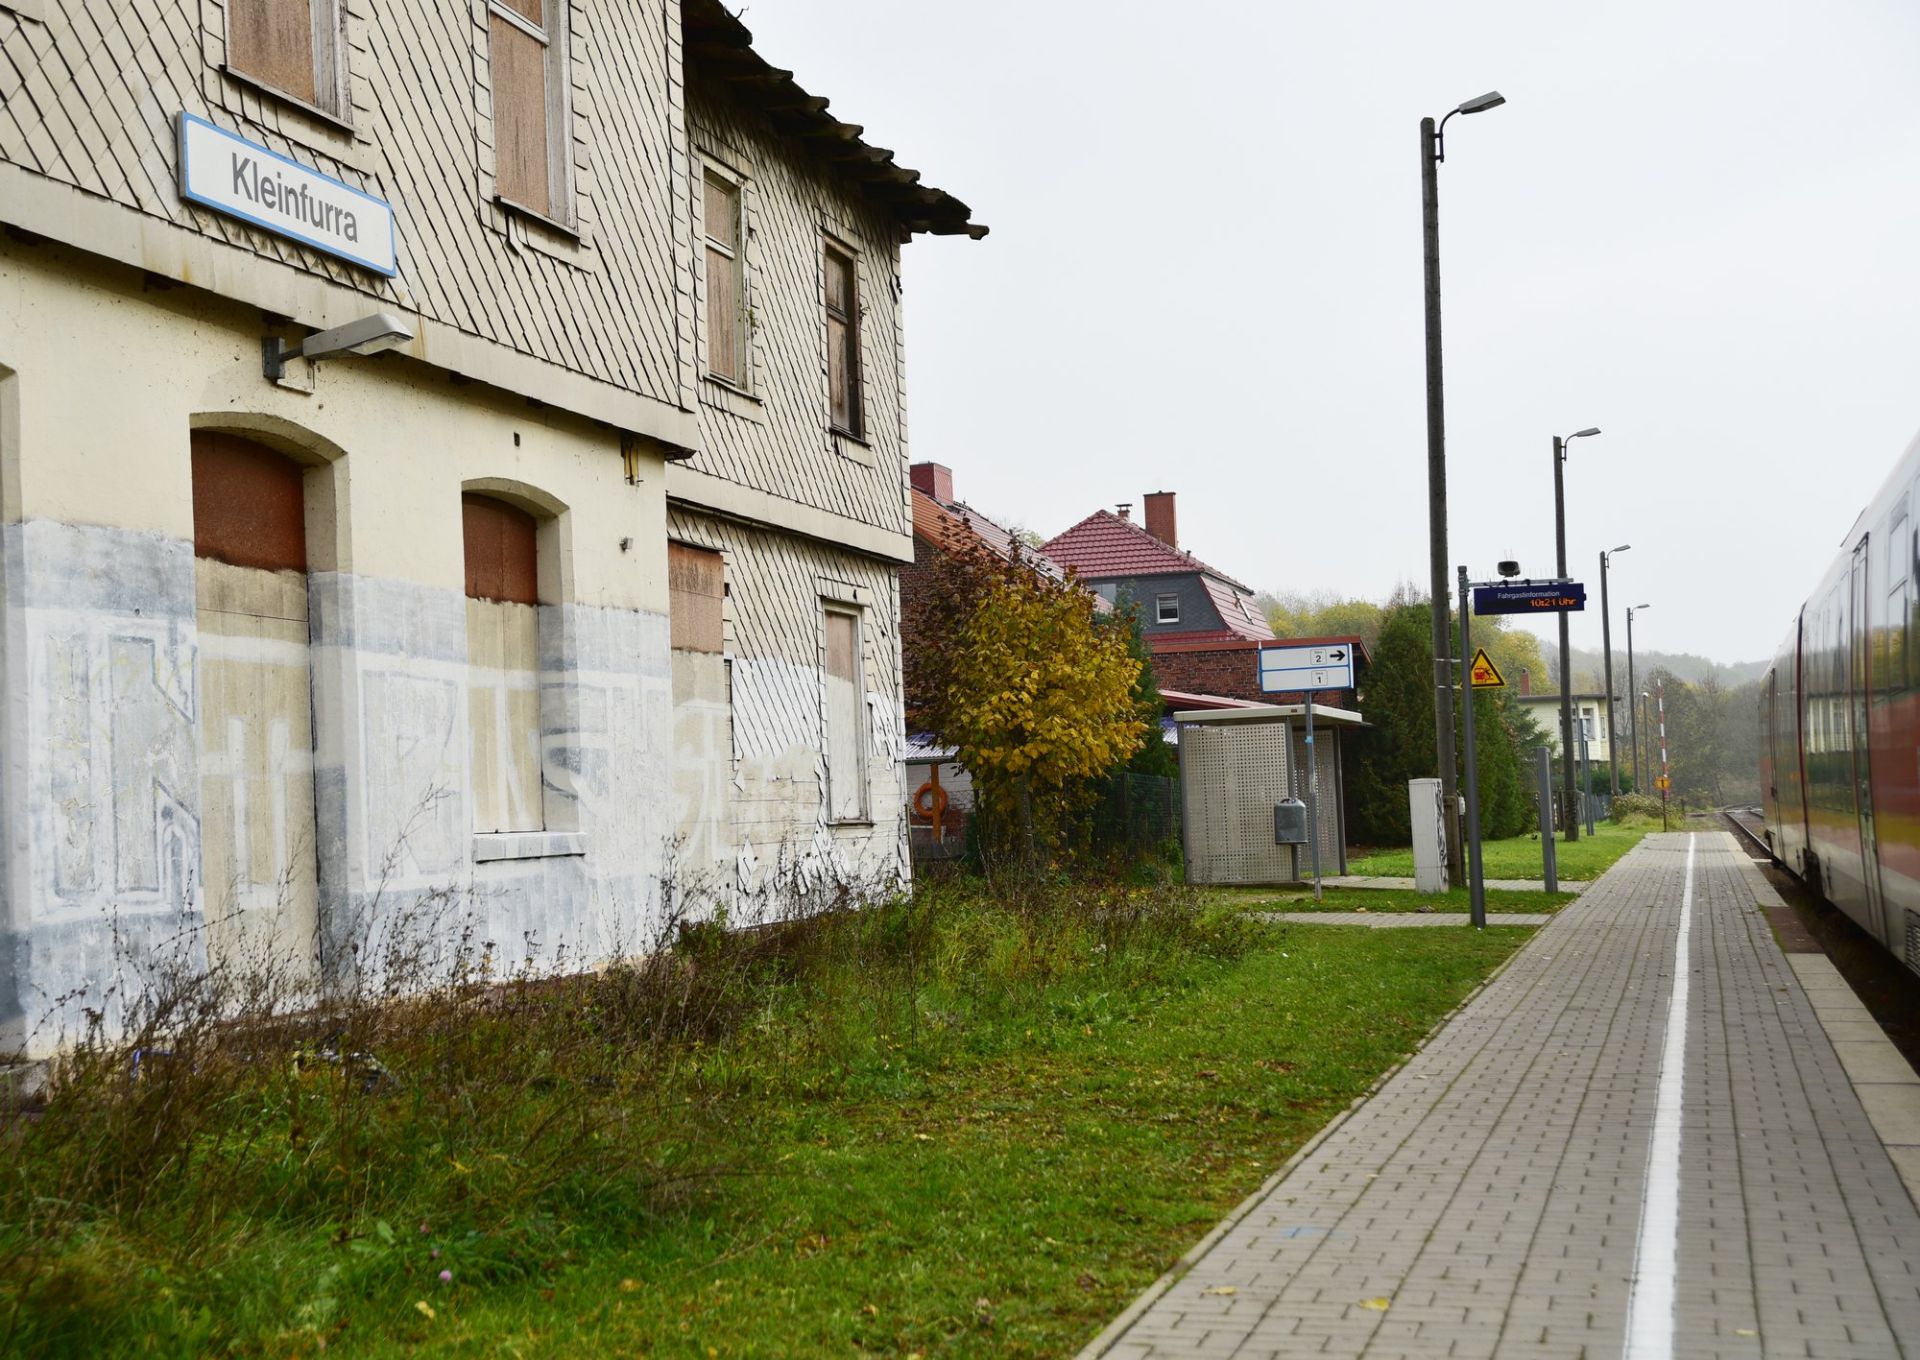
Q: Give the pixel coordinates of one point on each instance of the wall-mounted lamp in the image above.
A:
(368, 335)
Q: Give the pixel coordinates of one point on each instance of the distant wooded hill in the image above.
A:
(1693, 669)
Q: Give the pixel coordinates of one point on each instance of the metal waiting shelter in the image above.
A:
(1236, 766)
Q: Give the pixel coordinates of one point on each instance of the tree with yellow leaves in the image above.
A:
(1032, 689)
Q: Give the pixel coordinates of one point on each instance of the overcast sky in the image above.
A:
(1695, 224)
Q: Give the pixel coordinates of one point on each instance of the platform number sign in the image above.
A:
(1285, 670)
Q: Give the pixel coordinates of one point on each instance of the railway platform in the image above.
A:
(1638, 1140)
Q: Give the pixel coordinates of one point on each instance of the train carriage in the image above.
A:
(1840, 725)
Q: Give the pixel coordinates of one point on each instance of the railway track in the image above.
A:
(1750, 828)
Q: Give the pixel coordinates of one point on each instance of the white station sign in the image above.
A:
(245, 180)
(1284, 670)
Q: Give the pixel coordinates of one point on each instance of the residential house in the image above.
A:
(1592, 722)
(1203, 627)
(585, 590)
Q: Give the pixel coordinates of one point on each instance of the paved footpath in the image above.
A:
(1390, 919)
(1407, 885)
(1636, 1141)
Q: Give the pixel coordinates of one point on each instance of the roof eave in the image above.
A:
(720, 44)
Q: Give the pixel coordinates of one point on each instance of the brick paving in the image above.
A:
(1487, 1200)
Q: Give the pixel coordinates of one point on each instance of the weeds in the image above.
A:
(437, 1113)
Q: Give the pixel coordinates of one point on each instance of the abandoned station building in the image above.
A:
(582, 591)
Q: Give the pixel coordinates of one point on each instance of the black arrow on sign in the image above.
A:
(1339, 656)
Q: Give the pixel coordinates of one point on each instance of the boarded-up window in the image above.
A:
(726, 282)
(248, 507)
(843, 340)
(503, 664)
(846, 744)
(527, 43)
(291, 45)
(502, 560)
(696, 592)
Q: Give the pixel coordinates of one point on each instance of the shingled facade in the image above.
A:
(585, 590)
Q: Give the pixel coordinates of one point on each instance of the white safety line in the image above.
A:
(1655, 1256)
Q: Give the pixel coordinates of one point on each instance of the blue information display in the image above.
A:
(1556, 597)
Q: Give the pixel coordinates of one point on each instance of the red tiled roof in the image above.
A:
(1103, 545)
(1241, 615)
(940, 523)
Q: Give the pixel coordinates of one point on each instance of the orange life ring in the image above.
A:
(930, 801)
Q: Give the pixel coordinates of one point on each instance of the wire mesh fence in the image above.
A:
(1122, 815)
(1134, 813)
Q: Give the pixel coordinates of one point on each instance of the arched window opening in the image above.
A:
(259, 876)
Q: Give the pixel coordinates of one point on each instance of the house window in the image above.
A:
(293, 46)
(503, 664)
(843, 341)
(846, 744)
(527, 43)
(726, 283)
(1166, 609)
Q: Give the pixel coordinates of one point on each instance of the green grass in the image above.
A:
(1388, 900)
(1519, 856)
(983, 1143)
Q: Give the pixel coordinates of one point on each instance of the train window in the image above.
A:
(1899, 675)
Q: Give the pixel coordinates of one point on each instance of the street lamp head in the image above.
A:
(1492, 99)
(1582, 434)
(369, 335)
(1622, 548)
(1643, 606)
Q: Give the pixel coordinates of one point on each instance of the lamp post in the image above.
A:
(1634, 712)
(1566, 669)
(1433, 150)
(1646, 700)
(1606, 647)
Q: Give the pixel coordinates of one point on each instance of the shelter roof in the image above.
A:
(1181, 700)
(1256, 713)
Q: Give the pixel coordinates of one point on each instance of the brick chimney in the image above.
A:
(1526, 683)
(933, 479)
(1160, 521)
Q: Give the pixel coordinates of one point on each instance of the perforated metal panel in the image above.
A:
(1230, 779)
(1913, 940)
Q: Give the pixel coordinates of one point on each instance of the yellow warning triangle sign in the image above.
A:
(1483, 673)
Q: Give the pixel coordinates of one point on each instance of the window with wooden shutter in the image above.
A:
(293, 46)
(726, 282)
(696, 597)
(526, 40)
(843, 340)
